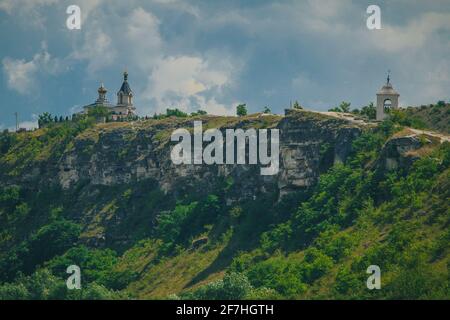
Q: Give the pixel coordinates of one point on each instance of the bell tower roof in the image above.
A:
(125, 88)
(388, 89)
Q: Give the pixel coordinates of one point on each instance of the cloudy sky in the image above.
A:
(215, 54)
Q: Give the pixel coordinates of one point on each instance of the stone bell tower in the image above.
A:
(387, 97)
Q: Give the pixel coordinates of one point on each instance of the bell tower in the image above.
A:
(387, 97)
(125, 95)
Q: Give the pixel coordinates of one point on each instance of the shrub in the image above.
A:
(51, 240)
(347, 282)
(241, 110)
(233, 286)
(280, 274)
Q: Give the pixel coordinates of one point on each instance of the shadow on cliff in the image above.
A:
(225, 257)
(256, 218)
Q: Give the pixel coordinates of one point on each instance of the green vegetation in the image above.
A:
(241, 110)
(343, 107)
(369, 111)
(297, 105)
(171, 113)
(433, 117)
(354, 218)
(267, 110)
(98, 112)
(316, 243)
(42, 285)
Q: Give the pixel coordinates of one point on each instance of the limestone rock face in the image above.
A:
(401, 151)
(309, 144)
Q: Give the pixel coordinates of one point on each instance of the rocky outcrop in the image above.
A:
(403, 149)
(310, 144)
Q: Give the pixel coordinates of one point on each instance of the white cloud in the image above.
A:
(21, 74)
(11, 5)
(97, 50)
(142, 38)
(181, 81)
(27, 11)
(132, 40)
(414, 35)
(190, 54)
(87, 7)
(159, 77)
(29, 125)
(179, 5)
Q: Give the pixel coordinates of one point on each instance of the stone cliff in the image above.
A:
(120, 153)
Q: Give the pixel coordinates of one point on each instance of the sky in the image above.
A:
(213, 54)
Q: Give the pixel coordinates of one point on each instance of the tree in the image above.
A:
(369, 111)
(176, 113)
(199, 113)
(233, 286)
(440, 103)
(343, 107)
(44, 119)
(241, 110)
(297, 105)
(267, 110)
(6, 141)
(98, 112)
(51, 240)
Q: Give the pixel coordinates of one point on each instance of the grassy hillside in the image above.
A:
(316, 243)
(433, 117)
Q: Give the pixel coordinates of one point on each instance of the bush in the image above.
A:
(280, 274)
(347, 282)
(97, 265)
(96, 291)
(43, 285)
(241, 110)
(51, 240)
(170, 224)
(176, 113)
(315, 265)
(12, 291)
(233, 286)
(276, 238)
(419, 281)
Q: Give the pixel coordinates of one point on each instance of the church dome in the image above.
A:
(388, 89)
(102, 89)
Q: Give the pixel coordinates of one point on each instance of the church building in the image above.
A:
(124, 107)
